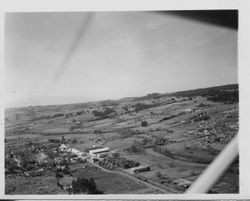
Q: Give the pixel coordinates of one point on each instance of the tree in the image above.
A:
(159, 175)
(144, 123)
(74, 141)
(136, 148)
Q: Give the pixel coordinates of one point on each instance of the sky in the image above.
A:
(73, 57)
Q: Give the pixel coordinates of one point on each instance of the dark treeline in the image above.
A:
(226, 93)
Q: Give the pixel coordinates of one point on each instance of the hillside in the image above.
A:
(175, 135)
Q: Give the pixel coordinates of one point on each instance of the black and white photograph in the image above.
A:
(121, 102)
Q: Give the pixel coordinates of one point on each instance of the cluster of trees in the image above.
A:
(225, 93)
(224, 96)
(114, 162)
(26, 160)
(71, 114)
(205, 91)
(140, 106)
(83, 185)
(157, 143)
(105, 113)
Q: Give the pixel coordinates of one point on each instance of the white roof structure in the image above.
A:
(97, 151)
(75, 151)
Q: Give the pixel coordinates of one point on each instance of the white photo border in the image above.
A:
(243, 6)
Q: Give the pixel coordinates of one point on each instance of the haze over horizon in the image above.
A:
(66, 57)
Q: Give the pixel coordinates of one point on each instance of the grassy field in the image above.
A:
(110, 183)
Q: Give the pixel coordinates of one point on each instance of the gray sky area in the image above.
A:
(57, 58)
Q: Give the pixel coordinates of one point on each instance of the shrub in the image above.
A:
(159, 175)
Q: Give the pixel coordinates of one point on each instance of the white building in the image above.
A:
(139, 168)
(96, 152)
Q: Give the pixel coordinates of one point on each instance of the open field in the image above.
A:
(176, 135)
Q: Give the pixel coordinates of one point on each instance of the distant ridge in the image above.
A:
(186, 93)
